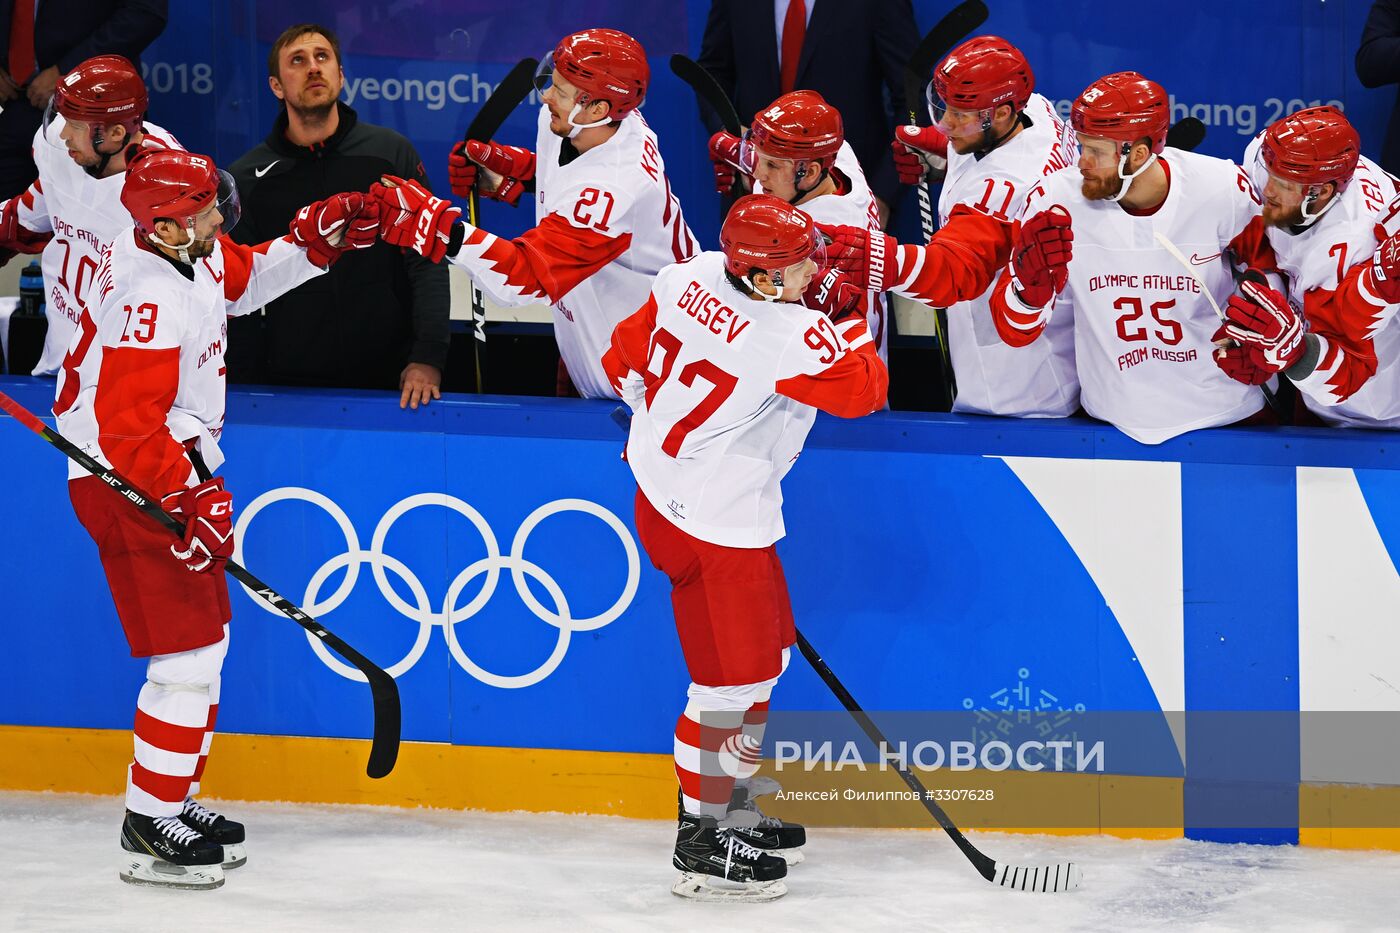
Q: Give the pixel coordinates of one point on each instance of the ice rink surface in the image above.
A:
(346, 869)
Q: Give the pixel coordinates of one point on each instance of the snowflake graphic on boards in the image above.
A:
(1022, 712)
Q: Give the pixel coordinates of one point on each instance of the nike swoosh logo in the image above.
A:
(1200, 261)
(335, 225)
(260, 172)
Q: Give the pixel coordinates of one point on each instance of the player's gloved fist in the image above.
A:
(1262, 317)
(320, 227)
(411, 216)
(1383, 277)
(834, 294)
(920, 152)
(362, 230)
(724, 156)
(207, 511)
(864, 257)
(1241, 362)
(497, 172)
(1040, 257)
(15, 237)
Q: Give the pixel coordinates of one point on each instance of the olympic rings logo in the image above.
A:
(450, 613)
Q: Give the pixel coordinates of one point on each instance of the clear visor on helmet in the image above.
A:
(227, 205)
(750, 154)
(943, 114)
(1261, 177)
(544, 73)
(793, 273)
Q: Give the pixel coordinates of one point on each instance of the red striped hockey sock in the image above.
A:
(171, 722)
(208, 738)
(707, 751)
(755, 721)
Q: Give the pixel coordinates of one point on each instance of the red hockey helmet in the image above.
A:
(1312, 147)
(768, 234)
(981, 74)
(800, 126)
(170, 184)
(1123, 107)
(603, 64)
(105, 89)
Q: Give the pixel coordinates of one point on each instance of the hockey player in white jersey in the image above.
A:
(1149, 227)
(725, 371)
(795, 149)
(73, 210)
(1327, 215)
(142, 391)
(993, 138)
(606, 217)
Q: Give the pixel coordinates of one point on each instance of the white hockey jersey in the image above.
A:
(731, 388)
(853, 208)
(1317, 260)
(1142, 327)
(607, 222)
(144, 374)
(1034, 381)
(83, 214)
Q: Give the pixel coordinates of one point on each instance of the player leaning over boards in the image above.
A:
(724, 370)
(142, 391)
(97, 114)
(606, 218)
(1143, 328)
(795, 149)
(993, 138)
(1329, 217)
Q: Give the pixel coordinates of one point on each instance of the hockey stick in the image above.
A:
(955, 26)
(514, 88)
(384, 749)
(1064, 876)
(707, 91)
(1186, 134)
(1190, 268)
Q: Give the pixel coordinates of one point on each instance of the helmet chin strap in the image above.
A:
(797, 175)
(990, 142)
(183, 249)
(576, 128)
(777, 296)
(1310, 198)
(1130, 178)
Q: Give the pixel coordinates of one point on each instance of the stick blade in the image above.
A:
(707, 91)
(388, 725)
(949, 31)
(1186, 134)
(1040, 879)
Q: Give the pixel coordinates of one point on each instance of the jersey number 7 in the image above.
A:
(668, 346)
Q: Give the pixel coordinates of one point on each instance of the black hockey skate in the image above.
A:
(164, 851)
(769, 833)
(217, 827)
(718, 865)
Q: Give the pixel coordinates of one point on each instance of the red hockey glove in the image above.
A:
(15, 237)
(724, 156)
(864, 258)
(834, 294)
(207, 511)
(920, 152)
(1242, 363)
(1040, 257)
(321, 228)
(363, 230)
(1384, 273)
(1261, 317)
(505, 170)
(410, 216)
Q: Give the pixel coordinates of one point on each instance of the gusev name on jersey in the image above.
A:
(1357, 379)
(730, 388)
(144, 374)
(607, 222)
(854, 206)
(1142, 326)
(1034, 381)
(82, 214)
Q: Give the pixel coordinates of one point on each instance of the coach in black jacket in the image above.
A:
(66, 32)
(1377, 64)
(853, 51)
(379, 318)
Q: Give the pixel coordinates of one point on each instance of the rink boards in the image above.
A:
(939, 563)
